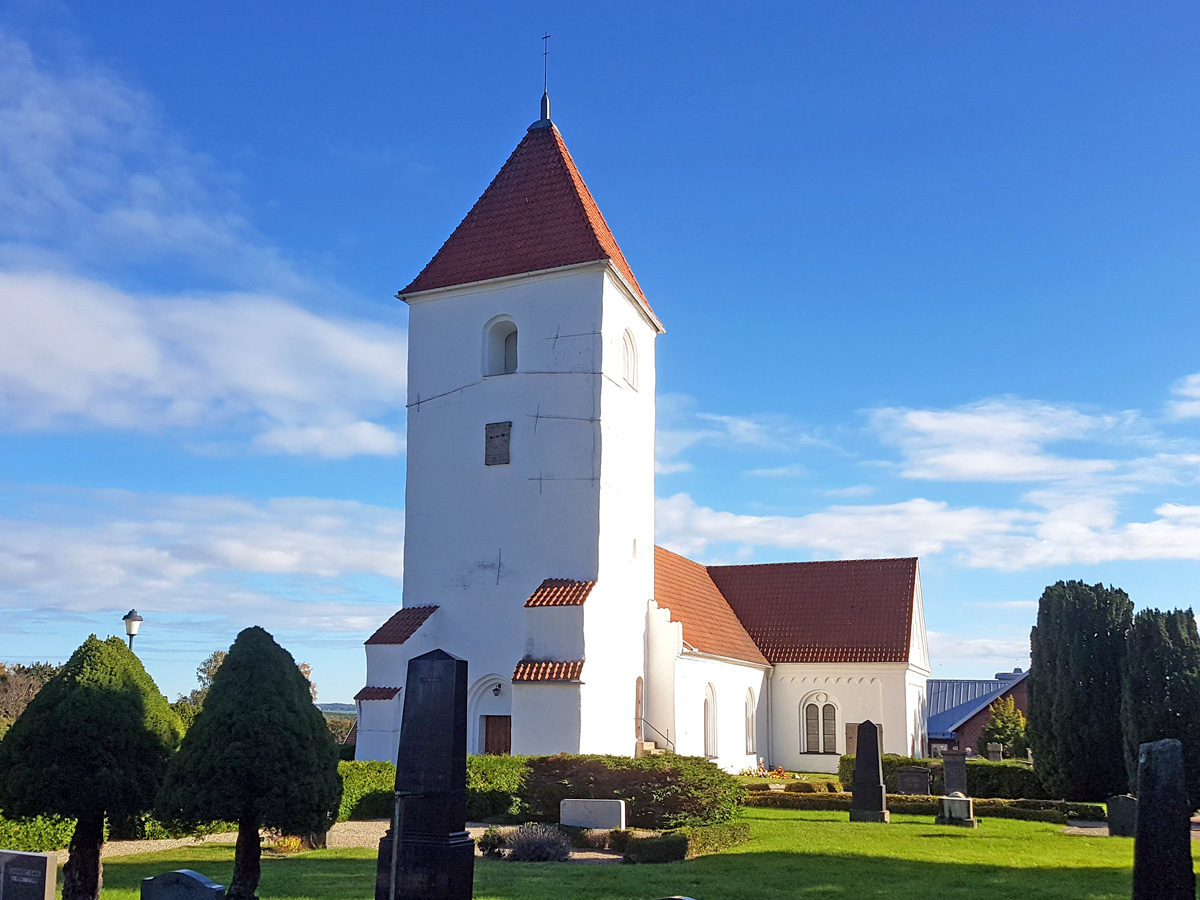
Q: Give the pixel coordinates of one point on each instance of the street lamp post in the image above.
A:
(132, 622)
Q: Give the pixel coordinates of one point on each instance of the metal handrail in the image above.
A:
(645, 724)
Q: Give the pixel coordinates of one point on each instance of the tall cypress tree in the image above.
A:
(1161, 694)
(258, 753)
(1078, 655)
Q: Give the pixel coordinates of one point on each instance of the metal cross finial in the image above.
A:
(546, 61)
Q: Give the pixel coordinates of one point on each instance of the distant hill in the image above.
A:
(337, 707)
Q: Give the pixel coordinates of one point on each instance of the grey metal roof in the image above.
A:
(951, 701)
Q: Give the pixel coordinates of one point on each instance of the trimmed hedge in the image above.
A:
(1057, 811)
(1008, 780)
(38, 834)
(368, 790)
(814, 787)
(686, 843)
(494, 786)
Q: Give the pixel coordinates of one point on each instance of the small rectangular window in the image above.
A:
(496, 437)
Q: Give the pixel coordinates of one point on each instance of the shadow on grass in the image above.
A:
(772, 875)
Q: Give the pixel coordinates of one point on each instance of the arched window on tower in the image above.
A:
(500, 346)
(629, 366)
(818, 725)
(710, 722)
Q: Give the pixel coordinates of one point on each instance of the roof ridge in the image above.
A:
(811, 562)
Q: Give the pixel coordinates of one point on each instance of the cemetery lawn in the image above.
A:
(792, 854)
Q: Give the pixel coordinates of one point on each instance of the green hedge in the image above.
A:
(494, 785)
(39, 834)
(148, 828)
(664, 791)
(1008, 780)
(686, 843)
(368, 790)
(1029, 810)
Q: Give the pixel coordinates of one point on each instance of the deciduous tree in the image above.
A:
(258, 753)
(1078, 654)
(94, 742)
(1006, 726)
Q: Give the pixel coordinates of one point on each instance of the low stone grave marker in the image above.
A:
(913, 780)
(27, 876)
(957, 810)
(606, 814)
(182, 884)
(1122, 815)
(954, 768)
(995, 752)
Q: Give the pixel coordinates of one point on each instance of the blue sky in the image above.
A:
(929, 273)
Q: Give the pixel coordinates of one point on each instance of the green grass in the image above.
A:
(792, 854)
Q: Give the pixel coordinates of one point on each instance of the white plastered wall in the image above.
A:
(664, 644)
(730, 682)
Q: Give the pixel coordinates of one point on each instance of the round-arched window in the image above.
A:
(500, 346)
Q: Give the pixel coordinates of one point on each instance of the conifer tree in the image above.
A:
(93, 743)
(1078, 654)
(1005, 726)
(258, 753)
(1161, 691)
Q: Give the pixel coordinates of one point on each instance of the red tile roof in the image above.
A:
(536, 214)
(561, 592)
(547, 670)
(819, 612)
(352, 736)
(400, 627)
(376, 693)
(709, 624)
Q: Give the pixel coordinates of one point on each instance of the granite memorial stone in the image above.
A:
(995, 752)
(954, 768)
(1122, 815)
(182, 884)
(606, 814)
(913, 780)
(957, 810)
(427, 853)
(1162, 847)
(27, 876)
(869, 801)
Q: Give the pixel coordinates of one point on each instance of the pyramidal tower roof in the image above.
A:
(537, 214)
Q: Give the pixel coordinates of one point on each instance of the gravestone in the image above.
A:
(995, 752)
(957, 810)
(954, 769)
(1122, 815)
(869, 803)
(182, 884)
(606, 814)
(1162, 848)
(913, 780)
(27, 876)
(427, 853)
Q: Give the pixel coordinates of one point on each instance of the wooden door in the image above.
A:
(497, 735)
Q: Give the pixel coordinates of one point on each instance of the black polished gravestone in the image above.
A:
(182, 884)
(913, 780)
(869, 803)
(954, 772)
(27, 876)
(1162, 848)
(1122, 816)
(427, 853)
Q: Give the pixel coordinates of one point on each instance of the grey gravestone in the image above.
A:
(1122, 815)
(957, 810)
(954, 768)
(27, 876)
(182, 884)
(913, 780)
(427, 853)
(869, 803)
(1162, 848)
(995, 752)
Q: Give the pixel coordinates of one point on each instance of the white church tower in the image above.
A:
(529, 517)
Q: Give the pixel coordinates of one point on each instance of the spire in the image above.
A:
(544, 121)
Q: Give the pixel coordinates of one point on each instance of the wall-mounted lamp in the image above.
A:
(497, 689)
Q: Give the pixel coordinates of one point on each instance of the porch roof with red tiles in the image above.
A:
(377, 693)
(537, 214)
(561, 592)
(824, 612)
(400, 627)
(547, 670)
(709, 624)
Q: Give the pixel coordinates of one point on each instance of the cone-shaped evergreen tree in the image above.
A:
(1005, 726)
(1161, 695)
(259, 753)
(94, 742)
(1074, 723)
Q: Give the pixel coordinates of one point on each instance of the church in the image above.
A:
(529, 526)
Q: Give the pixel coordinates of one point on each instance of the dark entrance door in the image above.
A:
(497, 735)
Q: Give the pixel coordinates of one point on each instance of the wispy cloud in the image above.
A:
(779, 472)
(1002, 653)
(1186, 392)
(78, 354)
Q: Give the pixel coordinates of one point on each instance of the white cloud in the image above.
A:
(1002, 653)
(853, 490)
(75, 353)
(779, 472)
(221, 557)
(1187, 394)
(994, 440)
